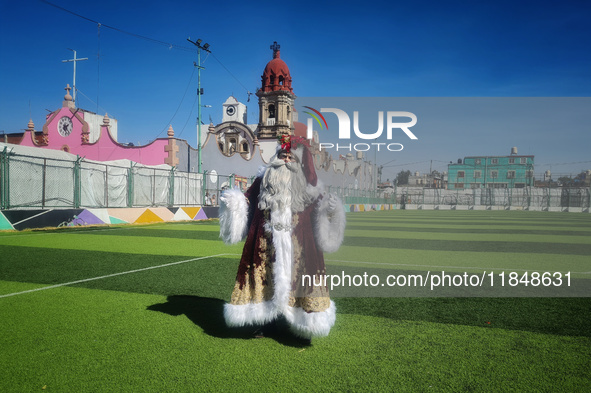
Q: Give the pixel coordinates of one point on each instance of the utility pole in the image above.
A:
(74, 60)
(205, 47)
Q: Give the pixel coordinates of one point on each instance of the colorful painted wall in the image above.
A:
(31, 219)
(52, 218)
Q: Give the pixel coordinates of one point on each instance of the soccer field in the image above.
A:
(139, 308)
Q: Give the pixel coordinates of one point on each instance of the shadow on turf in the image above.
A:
(208, 314)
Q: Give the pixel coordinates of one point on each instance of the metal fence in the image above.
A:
(38, 182)
(357, 196)
(530, 198)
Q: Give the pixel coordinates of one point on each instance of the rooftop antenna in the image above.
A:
(74, 60)
(205, 47)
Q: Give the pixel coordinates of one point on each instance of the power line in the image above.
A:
(168, 44)
(410, 163)
(568, 163)
(189, 118)
(233, 76)
(177, 109)
(149, 39)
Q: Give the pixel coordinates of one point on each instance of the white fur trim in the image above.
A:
(233, 216)
(249, 314)
(330, 224)
(283, 258)
(315, 191)
(314, 324)
(261, 171)
(303, 324)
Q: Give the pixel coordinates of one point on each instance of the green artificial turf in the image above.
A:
(162, 329)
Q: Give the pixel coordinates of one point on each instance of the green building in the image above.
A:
(513, 171)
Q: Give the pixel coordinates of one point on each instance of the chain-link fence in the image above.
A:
(351, 196)
(43, 182)
(531, 198)
(33, 182)
(38, 182)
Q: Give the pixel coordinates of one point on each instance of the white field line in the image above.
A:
(439, 266)
(56, 231)
(114, 274)
(29, 218)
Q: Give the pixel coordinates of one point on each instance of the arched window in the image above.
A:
(271, 111)
(281, 80)
(272, 79)
(244, 147)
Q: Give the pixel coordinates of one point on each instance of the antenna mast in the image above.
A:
(74, 60)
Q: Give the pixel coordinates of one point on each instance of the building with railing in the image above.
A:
(513, 171)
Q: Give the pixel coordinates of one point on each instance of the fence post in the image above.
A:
(203, 186)
(171, 188)
(106, 185)
(529, 198)
(4, 185)
(231, 181)
(77, 182)
(43, 183)
(154, 188)
(217, 191)
(130, 185)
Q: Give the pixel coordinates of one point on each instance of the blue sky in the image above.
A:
(342, 49)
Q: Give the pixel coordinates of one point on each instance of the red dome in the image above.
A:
(301, 130)
(276, 75)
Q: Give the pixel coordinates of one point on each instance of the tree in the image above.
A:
(564, 180)
(402, 178)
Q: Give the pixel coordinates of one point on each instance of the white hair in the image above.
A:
(284, 186)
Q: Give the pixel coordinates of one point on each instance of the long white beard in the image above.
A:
(284, 186)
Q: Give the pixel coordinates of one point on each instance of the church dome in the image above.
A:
(276, 75)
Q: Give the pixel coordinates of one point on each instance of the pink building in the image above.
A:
(80, 132)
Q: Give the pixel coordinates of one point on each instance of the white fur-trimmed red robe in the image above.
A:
(275, 258)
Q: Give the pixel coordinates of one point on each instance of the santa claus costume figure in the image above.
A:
(288, 221)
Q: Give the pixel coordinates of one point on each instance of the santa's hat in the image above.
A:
(299, 147)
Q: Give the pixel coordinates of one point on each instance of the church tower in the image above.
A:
(276, 99)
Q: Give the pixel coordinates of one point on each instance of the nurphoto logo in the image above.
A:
(392, 123)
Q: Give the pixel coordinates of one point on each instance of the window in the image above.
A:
(477, 174)
(245, 147)
(272, 111)
(510, 174)
(232, 147)
(494, 174)
(459, 185)
(511, 160)
(519, 185)
(477, 161)
(524, 160)
(281, 80)
(460, 173)
(494, 161)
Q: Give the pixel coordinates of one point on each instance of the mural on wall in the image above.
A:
(50, 218)
(32, 219)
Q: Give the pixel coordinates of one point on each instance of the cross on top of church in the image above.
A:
(275, 47)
